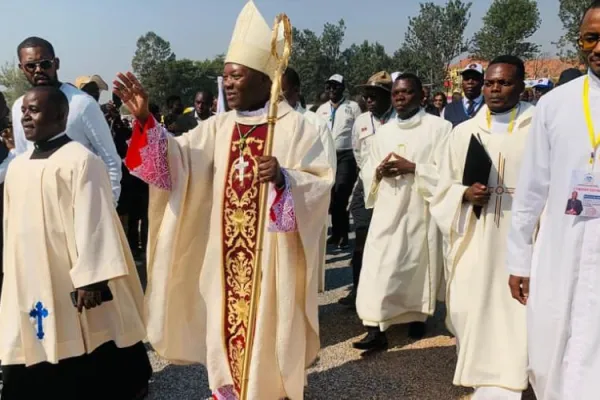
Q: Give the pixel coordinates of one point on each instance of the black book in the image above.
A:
(3, 151)
(478, 165)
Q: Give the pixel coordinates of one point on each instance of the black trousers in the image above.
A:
(108, 373)
(345, 178)
(137, 230)
(1, 235)
(362, 220)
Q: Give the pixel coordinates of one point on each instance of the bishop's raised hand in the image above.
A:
(133, 95)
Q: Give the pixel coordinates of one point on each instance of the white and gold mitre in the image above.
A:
(251, 42)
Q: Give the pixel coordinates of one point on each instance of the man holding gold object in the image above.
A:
(205, 218)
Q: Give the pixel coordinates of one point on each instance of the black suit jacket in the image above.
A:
(184, 123)
(575, 205)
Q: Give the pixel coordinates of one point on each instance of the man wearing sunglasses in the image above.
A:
(86, 123)
(563, 306)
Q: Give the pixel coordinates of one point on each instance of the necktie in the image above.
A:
(471, 108)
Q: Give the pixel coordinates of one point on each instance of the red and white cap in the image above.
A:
(473, 67)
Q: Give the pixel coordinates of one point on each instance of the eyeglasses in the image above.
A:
(43, 64)
(588, 42)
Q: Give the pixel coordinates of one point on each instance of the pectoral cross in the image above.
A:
(39, 313)
(500, 190)
(241, 166)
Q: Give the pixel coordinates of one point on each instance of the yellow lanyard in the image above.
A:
(511, 124)
(594, 140)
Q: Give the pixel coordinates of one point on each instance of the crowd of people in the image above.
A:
(461, 201)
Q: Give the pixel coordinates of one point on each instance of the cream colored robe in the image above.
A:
(325, 134)
(185, 300)
(61, 232)
(402, 261)
(488, 323)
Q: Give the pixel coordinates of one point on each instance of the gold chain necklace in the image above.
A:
(243, 137)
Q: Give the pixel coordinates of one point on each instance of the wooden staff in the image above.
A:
(281, 20)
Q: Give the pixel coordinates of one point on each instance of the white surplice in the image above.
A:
(329, 146)
(563, 310)
(402, 257)
(61, 232)
(489, 325)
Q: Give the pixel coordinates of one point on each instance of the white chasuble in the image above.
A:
(488, 323)
(563, 309)
(402, 257)
(61, 232)
(329, 146)
(204, 215)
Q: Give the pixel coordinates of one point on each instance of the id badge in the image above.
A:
(583, 198)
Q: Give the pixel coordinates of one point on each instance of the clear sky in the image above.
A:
(99, 37)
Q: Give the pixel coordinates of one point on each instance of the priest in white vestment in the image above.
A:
(563, 304)
(290, 85)
(402, 259)
(488, 324)
(65, 254)
(377, 95)
(204, 216)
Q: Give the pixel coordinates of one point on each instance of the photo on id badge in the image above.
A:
(584, 196)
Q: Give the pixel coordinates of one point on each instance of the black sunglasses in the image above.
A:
(43, 64)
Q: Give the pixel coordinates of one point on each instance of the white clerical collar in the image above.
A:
(255, 113)
(57, 136)
(411, 122)
(299, 108)
(594, 80)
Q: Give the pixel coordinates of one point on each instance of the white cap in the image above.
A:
(473, 67)
(251, 42)
(395, 75)
(543, 83)
(336, 78)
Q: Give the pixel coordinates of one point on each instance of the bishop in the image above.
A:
(204, 228)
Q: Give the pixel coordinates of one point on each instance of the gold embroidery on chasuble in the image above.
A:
(500, 189)
(240, 229)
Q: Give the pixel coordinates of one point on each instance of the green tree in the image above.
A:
(163, 75)
(434, 38)
(182, 78)
(151, 51)
(570, 13)
(316, 58)
(506, 27)
(14, 82)
(362, 61)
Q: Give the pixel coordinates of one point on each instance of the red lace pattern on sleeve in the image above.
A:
(147, 154)
(282, 215)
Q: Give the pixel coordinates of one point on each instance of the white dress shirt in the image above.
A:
(86, 124)
(341, 121)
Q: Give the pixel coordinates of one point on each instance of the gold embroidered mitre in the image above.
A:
(251, 42)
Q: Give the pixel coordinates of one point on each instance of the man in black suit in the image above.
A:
(203, 102)
(574, 206)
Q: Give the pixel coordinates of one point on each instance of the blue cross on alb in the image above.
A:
(39, 313)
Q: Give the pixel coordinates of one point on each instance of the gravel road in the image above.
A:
(410, 370)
